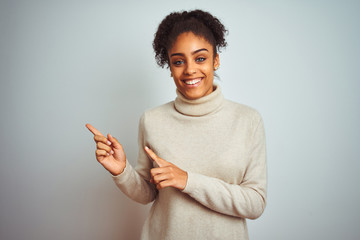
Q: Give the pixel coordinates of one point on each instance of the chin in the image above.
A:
(194, 95)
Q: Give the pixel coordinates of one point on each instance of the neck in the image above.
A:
(201, 106)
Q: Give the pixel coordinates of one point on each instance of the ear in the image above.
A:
(216, 62)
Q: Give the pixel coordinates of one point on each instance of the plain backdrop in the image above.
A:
(67, 63)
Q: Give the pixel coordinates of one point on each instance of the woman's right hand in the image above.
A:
(109, 152)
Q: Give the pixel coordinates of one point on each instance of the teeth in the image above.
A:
(192, 82)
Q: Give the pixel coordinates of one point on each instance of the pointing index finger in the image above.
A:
(93, 130)
(161, 162)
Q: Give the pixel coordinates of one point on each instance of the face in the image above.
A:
(192, 65)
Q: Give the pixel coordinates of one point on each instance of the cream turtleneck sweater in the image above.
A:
(221, 145)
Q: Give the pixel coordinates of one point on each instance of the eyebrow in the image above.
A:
(194, 52)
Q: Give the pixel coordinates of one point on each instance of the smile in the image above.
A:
(192, 81)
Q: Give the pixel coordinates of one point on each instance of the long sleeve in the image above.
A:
(135, 182)
(246, 200)
(221, 144)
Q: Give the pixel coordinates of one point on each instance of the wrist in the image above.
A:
(119, 172)
(184, 182)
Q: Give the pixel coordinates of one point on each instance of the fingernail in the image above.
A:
(107, 154)
(108, 142)
(146, 148)
(112, 152)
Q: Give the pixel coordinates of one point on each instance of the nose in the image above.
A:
(190, 69)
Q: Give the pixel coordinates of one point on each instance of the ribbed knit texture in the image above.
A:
(221, 145)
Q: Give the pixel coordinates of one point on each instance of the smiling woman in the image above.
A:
(192, 65)
(202, 159)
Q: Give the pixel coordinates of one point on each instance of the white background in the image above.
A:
(66, 63)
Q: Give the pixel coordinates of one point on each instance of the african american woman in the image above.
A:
(202, 158)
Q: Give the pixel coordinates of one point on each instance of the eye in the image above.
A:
(200, 59)
(177, 63)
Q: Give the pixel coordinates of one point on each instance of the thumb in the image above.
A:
(161, 162)
(114, 142)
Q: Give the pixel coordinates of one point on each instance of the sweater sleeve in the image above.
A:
(246, 200)
(135, 183)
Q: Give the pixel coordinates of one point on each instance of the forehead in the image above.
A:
(188, 42)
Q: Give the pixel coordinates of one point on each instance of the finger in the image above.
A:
(156, 171)
(161, 162)
(161, 177)
(114, 142)
(93, 130)
(164, 184)
(100, 152)
(102, 146)
(160, 170)
(103, 139)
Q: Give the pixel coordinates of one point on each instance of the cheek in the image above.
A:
(209, 69)
(176, 77)
(178, 72)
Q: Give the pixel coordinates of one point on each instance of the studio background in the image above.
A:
(67, 63)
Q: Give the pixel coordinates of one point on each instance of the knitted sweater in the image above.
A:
(221, 145)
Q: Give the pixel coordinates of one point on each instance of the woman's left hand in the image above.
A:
(167, 174)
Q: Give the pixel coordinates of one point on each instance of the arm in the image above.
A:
(132, 184)
(110, 154)
(135, 183)
(246, 200)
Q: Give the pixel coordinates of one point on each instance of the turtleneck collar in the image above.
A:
(201, 106)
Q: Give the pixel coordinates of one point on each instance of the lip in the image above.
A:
(192, 79)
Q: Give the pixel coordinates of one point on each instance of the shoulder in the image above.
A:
(242, 111)
(158, 113)
(244, 117)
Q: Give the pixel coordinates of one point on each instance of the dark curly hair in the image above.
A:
(197, 21)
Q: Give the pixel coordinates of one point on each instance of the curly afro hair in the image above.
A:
(197, 21)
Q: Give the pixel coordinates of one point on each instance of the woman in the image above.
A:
(201, 158)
